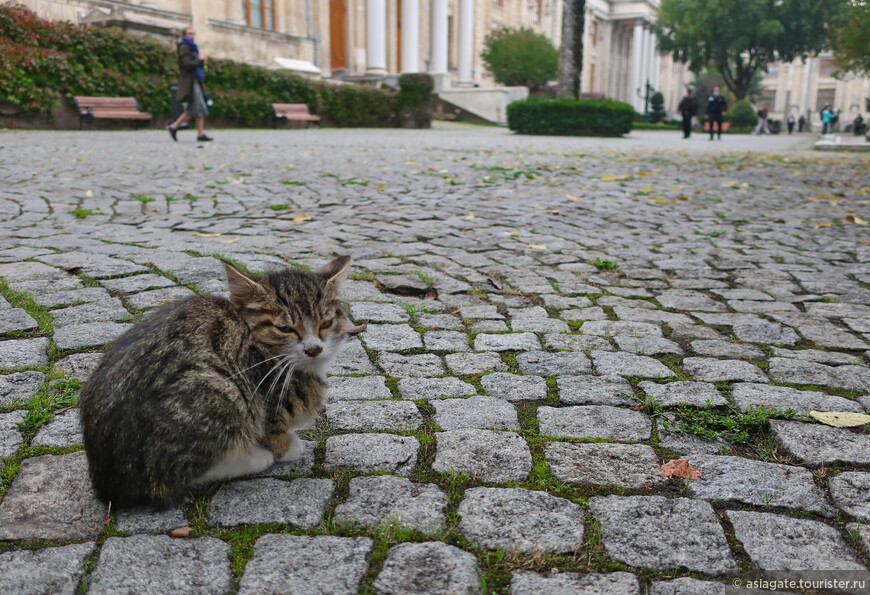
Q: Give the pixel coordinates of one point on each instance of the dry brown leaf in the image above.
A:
(841, 419)
(680, 468)
(300, 218)
(854, 220)
(181, 532)
(207, 235)
(823, 225)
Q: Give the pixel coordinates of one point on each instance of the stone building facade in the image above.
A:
(364, 40)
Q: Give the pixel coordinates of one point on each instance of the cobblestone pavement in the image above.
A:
(538, 310)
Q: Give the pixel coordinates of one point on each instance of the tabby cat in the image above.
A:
(209, 388)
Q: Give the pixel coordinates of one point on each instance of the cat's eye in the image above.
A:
(285, 329)
(326, 325)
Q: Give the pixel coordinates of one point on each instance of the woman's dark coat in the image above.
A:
(188, 65)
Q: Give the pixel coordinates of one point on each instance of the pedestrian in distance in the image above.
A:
(717, 107)
(688, 109)
(191, 63)
(858, 126)
(790, 123)
(827, 116)
(802, 123)
(761, 127)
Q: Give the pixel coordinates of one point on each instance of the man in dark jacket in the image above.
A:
(191, 62)
(716, 108)
(688, 108)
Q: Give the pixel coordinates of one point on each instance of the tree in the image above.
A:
(520, 57)
(740, 37)
(705, 80)
(657, 111)
(852, 40)
(571, 50)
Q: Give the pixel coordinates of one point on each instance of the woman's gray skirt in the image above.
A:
(197, 107)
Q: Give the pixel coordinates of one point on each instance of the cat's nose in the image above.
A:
(313, 351)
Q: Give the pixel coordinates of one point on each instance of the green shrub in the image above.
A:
(587, 117)
(414, 99)
(657, 107)
(44, 63)
(742, 114)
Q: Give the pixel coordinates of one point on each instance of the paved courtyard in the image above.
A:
(550, 321)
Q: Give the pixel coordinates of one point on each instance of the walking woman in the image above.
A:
(191, 63)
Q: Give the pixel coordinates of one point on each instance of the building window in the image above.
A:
(768, 96)
(537, 10)
(259, 13)
(824, 97)
(826, 67)
(498, 3)
(594, 33)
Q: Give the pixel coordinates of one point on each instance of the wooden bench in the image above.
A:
(285, 112)
(114, 108)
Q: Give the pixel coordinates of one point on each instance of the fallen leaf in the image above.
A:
(470, 216)
(410, 162)
(514, 234)
(89, 193)
(571, 197)
(300, 218)
(608, 179)
(854, 220)
(207, 235)
(680, 468)
(537, 246)
(841, 419)
(823, 225)
(232, 241)
(380, 187)
(865, 243)
(181, 532)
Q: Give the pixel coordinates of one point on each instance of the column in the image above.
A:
(439, 37)
(637, 67)
(235, 12)
(410, 36)
(650, 56)
(376, 37)
(466, 42)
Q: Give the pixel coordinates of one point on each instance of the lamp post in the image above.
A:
(646, 95)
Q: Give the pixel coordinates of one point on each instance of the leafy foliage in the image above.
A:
(44, 63)
(520, 57)
(742, 36)
(742, 114)
(657, 107)
(570, 116)
(852, 40)
(414, 98)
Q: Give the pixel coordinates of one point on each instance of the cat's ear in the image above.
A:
(244, 290)
(335, 271)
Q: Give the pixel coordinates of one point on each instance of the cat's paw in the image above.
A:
(260, 459)
(294, 451)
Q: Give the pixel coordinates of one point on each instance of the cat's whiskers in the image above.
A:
(275, 367)
(268, 359)
(285, 363)
(286, 385)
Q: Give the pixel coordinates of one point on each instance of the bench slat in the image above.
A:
(91, 108)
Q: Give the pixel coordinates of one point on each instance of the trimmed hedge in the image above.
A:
(582, 117)
(44, 63)
(414, 99)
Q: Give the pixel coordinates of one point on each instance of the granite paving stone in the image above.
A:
(30, 271)
(439, 321)
(358, 387)
(391, 337)
(78, 365)
(670, 394)
(811, 545)
(542, 363)
(850, 492)
(147, 519)
(648, 345)
(300, 502)
(136, 283)
(372, 452)
(19, 387)
(474, 363)
(722, 370)
(410, 366)
(55, 570)
(353, 359)
(75, 296)
(817, 355)
(480, 312)
(373, 415)
(584, 343)
(617, 328)
(489, 326)
(539, 325)
(715, 348)
(737, 479)
(380, 499)
(51, 498)
(630, 466)
(102, 311)
(594, 421)
(817, 445)
(475, 412)
(306, 564)
(300, 466)
(89, 334)
(374, 312)
(514, 387)
(434, 388)
(156, 298)
(773, 334)
(628, 364)
(638, 531)
(163, 564)
(428, 567)
(525, 582)
(507, 342)
(16, 319)
(484, 454)
(684, 443)
(10, 434)
(862, 534)
(23, 353)
(686, 586)
(795, 371)
(62, 431)
(446, 341)
(519, 520)
(595, 390)
(781, 398)
(581, 314)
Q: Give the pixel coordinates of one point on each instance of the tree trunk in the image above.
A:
(571, 50)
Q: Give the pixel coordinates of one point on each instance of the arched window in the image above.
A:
(259, 13)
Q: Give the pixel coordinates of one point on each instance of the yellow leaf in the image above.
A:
(380, 187)
(677, 188)
(823, 224)
(642, 174)
(682, 197)
(607, 178)
(232, 241)
(660, 201)
(514, 234)
(571, 197)
(854, 220)
(300, 218)
(537, 246)
(207, 235)
(470, 216)
(410, 162)
(89, 193)
(841, 419)
(646, 189)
